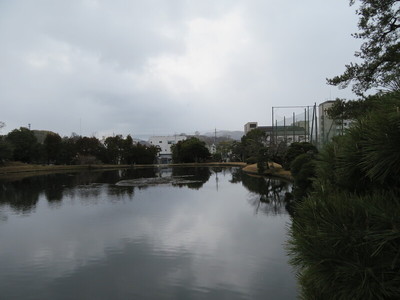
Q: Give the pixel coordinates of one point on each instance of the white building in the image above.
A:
(328, 127)
(250, 126)
(164, 143)
(212, 148)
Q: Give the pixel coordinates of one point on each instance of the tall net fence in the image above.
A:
(294, 124)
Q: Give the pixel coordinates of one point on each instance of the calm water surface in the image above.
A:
(209, 234)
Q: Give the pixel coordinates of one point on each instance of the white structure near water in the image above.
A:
(164, 144)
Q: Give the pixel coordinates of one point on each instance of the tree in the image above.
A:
(224, 149)
(6, 150)
(114, 149)
(303, 172)
(88, 150)
(252, 143)
(88, 146)
(52, 146)
(68, 150)
(190, 150)
(355, 109)
(142, 154)
(345, 235)
(379, 26)
(127, 150)
(262, 160)
(296, 149)
(237, 152)
(24, 144)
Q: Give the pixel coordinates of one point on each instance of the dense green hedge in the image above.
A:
(345, 235)
(347, 246)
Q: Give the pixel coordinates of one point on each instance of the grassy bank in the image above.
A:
(275, 170)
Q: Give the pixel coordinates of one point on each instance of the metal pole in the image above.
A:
(305, 125)
(308, 122)
(312, 124)
(293, 127)
(272, 132)
(316, 124)
(284, 129)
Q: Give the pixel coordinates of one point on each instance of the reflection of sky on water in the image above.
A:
(158, 243)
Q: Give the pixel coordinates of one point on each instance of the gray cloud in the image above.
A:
(158, 67)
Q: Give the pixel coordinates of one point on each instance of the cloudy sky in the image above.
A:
(155, 67)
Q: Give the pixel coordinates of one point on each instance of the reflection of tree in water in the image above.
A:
(237, 175)
(91, 185)
(138, 173)
(268, 194)
(199, 174)
(21, 196)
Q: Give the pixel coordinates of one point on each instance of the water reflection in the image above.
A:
(200, 175)
(22, 195)
(162, 242)
(268, 195)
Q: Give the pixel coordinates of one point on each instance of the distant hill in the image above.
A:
(234, 135)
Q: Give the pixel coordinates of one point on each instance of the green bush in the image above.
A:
(345, 236)
(6, 151)
(251, 160)
(296, 149)
(303, 172)
(347, 246)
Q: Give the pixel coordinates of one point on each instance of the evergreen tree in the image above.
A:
(190, 150)
(24, 143)
(379, 26)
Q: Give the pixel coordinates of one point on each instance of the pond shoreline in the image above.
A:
(16, 168)
(13, 168)
(274, 170)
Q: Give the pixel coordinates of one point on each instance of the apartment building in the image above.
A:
(164, 143)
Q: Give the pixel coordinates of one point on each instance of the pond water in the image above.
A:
(199, 233)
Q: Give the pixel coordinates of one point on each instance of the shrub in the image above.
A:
(251, 160)
(347, 246)
(303, 172)
(345, 236)
(294, 150)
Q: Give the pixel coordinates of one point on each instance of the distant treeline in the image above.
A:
(23, 145)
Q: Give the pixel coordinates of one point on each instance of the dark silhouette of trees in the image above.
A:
(114, 149)
(6, 150)
(296, 149)
(123, 151)
(22, 145)
(345, 236)
(190, 150)
(25, 145)
(52, 147)
(252, 143)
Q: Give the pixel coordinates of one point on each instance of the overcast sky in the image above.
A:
(156, 67)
